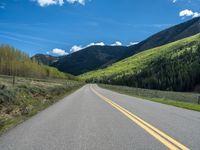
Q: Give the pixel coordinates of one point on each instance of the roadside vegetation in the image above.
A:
(27, 86)
(179, 99)
(29, 96)
(172, 67)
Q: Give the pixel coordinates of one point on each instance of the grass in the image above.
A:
(174, 66)
(29, 96)
(178, 99)
(138, 62)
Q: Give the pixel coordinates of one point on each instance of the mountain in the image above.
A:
(175, 66)
(169, 35)
(95, 57)
(45, 59)
(90, 58)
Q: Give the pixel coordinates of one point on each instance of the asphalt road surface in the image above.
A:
(97, 119)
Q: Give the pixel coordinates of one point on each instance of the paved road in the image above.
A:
(88, 120)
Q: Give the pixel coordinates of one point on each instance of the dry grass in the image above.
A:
(29, 96)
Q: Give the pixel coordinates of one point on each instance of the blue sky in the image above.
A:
(55, 26)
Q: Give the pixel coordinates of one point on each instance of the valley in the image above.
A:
(99, 75)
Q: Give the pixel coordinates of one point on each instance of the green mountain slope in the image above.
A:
(175, 66)
(174, 33)
(96, 57)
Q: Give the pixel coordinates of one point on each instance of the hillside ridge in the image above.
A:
(174, 66)
(96, 57)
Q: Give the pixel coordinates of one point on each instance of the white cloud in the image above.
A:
(188, 13)
(183, 1)
(96, 44)
(174, 1)
(185, 12)
(44, 3)
(117, 43)
(76, 48)
(196, 14)
(60, 52)
(82, 2)
(133, 43)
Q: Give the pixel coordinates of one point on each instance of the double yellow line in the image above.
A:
(156, 133)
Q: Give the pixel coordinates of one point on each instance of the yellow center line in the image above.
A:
(156, 133)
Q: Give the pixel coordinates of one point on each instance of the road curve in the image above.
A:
(93, 118)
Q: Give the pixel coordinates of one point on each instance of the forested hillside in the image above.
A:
(175, 66)
(96, 57)
(90, 58)
(15, 62)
